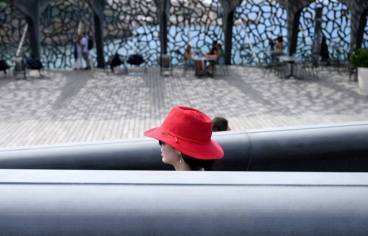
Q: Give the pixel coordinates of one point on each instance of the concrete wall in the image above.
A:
(33, 8)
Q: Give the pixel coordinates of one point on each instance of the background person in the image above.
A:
(277, 50)
(85, 50)
(220, 124)
(279, 45)
(4, 66)
(185, 140)
(188, 55)
(213, 55)
(220, 50)
(78, 64)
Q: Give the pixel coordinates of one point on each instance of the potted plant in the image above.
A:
(359, 59)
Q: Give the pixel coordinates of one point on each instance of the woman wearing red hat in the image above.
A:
(185, 140)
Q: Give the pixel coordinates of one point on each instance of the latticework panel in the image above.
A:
(335, 27)
(132, 28)
(59, 29)
(256, 24)
(194, 22)
(12, 23)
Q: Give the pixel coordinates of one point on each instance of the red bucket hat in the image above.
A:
(189, 131)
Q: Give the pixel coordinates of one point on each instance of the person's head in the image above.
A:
(188, 48)
(214, 43)
(280, 39)
(185, 139)
(220, 124)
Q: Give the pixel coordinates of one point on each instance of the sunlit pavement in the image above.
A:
(91, 106)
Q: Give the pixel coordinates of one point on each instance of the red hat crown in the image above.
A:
(189, 131)
(188, 124)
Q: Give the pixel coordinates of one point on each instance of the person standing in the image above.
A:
(85, 50)
(78, 64)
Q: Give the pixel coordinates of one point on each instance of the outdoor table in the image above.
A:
(202, 59)
(289, 60)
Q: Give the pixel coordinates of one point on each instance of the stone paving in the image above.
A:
(85, 106)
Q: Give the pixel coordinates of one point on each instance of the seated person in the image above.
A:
(4, 66)
(34, 63)
(188, 55)
(136, 59)
(277, 49)
(279, 45)
(213, 55)
(115, 61)
(221, 54)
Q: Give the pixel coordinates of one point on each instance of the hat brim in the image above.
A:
(207, 151)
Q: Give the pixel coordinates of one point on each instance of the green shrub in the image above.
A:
(3, 2)
(359, 58)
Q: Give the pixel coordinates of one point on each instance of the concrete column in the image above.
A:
(294, 9)
(358, 9)
(360, 33)
(293, 30)
(229, 7)
(34, 36)
(98, 7)
(32, 9)
(316, 50)
(163, 7)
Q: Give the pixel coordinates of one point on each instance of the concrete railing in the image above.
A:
(70, 202)
(341, 147)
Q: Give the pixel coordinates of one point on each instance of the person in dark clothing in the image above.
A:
(4, 66)
(220, 124)
(115, 61)
(272, 44)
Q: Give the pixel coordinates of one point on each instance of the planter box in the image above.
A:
(363, 80)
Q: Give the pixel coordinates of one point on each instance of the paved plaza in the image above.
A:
(93, 106)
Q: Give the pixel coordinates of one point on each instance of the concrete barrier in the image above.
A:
(70, 202)
(342, 147)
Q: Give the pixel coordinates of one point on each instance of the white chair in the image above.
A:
(222, 65)
(165, 65)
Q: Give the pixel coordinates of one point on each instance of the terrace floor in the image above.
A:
(90, 106)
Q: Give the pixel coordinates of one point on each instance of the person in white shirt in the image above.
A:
(85, 50)
(78, 53)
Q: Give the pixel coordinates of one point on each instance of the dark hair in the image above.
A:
(197, 164)
(219, 124)
(188, 48)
